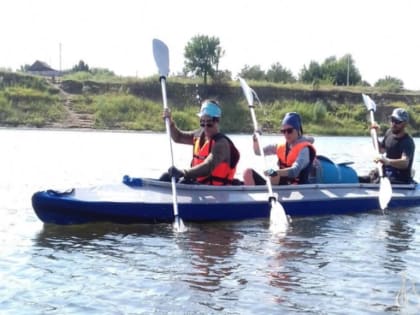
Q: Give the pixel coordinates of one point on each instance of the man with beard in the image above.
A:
(398, 148)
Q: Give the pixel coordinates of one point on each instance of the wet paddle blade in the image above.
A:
(178, 225)
(278, 218)
(385, 192)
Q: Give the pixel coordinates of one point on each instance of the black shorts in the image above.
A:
(258, 179)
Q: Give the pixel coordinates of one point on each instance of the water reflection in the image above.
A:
(210, 247)
(305, 242)
(399, 236)
(311, 261)
(399, 244)
(96, 235)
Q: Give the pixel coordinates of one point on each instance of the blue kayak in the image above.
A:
(139, 200)
(335, 190)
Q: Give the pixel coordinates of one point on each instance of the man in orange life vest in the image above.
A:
(295, 155)
(214, 155)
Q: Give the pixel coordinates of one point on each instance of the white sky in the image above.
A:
(382, 36)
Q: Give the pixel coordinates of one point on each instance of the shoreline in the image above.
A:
(145, 131)
(23, 128)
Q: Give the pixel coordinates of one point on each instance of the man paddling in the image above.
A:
(214, 155)
(295, 154)
(398, 148)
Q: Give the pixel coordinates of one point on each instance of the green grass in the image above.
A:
(136, 104)
(28, 107)
(126, 112)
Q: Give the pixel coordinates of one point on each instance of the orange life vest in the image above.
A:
(286, 158)
(224, 172)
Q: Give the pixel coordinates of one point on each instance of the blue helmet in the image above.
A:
(210, 108)
(293, 119)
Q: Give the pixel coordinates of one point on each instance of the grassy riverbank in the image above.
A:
(83, 101)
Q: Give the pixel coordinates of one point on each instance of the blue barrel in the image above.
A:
(326, 171)
(348, 174)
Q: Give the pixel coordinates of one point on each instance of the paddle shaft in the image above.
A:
(375, 141)
(260, 148)
(168, 133)
(278, 218)
(161, 55)
(167, 121)
(385, 188)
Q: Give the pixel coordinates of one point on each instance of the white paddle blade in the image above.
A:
(161, 55)
(247, 91)
(256, 96)
(385, 192)
(369, 103)
(278, 218)
(366, 101)
(372, 104)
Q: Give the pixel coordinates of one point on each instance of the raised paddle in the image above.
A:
(385, 188)
(278, 218)
(161, 55)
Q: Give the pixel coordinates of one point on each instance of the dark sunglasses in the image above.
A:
(396, 121)
(287, 130)
(206, 123)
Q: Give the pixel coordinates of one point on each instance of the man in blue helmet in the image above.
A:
(214, 155)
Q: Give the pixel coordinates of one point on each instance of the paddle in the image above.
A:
(385, 188)
(161, 55)
(278, 219)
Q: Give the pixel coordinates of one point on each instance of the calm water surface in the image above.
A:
(355, 264)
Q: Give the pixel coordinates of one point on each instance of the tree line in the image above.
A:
(202, 56)
(203, 53)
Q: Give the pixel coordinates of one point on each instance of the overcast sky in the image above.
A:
(382, 36)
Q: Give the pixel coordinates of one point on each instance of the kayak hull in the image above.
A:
(138, 200)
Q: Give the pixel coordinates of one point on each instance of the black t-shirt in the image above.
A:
(394, 148)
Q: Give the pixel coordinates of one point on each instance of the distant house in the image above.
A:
(42, 68)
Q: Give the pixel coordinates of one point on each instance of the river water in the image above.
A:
(354, 264)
